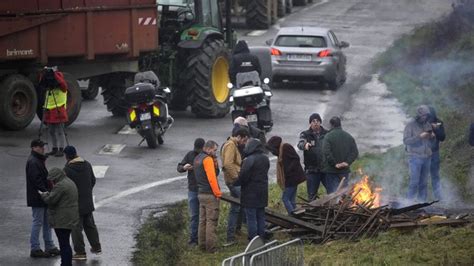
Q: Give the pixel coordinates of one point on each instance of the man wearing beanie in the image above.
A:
(311, 143)
(340, 151)
(81, 173)
(186, 165)
(417, 139)
(289, 171)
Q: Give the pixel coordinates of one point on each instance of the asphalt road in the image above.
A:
(138, 179)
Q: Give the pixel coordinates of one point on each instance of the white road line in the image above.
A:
(100, 170)
(126, 130)
(137, 189)
(112, 149)
(256, 33)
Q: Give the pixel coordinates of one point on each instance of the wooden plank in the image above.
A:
(452, 222)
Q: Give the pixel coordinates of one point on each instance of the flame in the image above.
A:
(363, 193)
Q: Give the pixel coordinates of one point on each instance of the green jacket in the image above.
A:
(338, 146)
(62, 201)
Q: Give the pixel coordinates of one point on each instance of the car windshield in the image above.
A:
(175, 2)
(301, 41)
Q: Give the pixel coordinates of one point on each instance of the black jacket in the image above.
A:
(313, 158)
(243, 61)
(36, 179)
(471, 134)
(189, 158)
(81, 173)
(253, 176)
(438, 131)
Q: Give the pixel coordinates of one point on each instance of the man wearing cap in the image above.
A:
(36, 180)
(311, 143)
(186, 165)
(81, 173)
(417, 139)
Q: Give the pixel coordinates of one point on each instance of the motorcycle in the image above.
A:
(148, 108)
(251, 99)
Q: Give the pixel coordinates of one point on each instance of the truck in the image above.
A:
(98, 40)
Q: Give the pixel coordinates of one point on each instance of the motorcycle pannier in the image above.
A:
(140, 93)
(248, 96)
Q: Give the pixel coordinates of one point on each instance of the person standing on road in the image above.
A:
(439, 136)
(289, 171)
(311, 143)
(206, 170)
(340, 151)
(231, 162)
(81, 173)
(63, 211)
(417, 137)
(54, 87)
(253, 178)
(36, 179)
(186, 165)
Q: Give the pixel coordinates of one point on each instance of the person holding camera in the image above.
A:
(54, 88)
(417, 137)
(311, 143)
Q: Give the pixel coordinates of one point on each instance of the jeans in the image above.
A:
(56, 132)
(208, 218)
(193, 203)
(289, 198)
(64, 246)
(333, 180)
(40, 219)
(86, 224)
(435, 179)
(313, 180)
(419, 170)
(255, 222)
(234, 214)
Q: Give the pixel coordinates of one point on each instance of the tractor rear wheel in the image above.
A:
(113, 92)
(257, 16)
(206, 77)
(18, 102)
(281, 11)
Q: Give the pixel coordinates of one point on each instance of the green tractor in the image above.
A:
(193, 58)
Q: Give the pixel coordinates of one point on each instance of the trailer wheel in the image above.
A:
(113, 92)
(289, 6)
(92, 90)
(206, 77)
(74, 100)
(18, 102)
(281, 11)
(257, 15)
(300, 2)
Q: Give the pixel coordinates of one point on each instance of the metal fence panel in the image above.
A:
(290, 253)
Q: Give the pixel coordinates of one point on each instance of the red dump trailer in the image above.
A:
(85, 39)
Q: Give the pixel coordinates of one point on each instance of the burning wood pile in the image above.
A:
(352, 212)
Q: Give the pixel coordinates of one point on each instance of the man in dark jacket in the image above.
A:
(340, 151)
(63, 214)
(81, 173)
(253, 179)
(471, 134)
(243, 61)
(36, 180)
(186, 165)
(254, 132)
(311, 143)
(439, 136)
(289, 171)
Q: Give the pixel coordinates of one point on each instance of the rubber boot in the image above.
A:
(60, 153)
(52, 152)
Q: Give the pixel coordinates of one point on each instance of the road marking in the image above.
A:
(256, 33)
(127, 130)
(100, 170)
(138, 189)
(112, 149)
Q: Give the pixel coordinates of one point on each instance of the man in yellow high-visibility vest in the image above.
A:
(55, 112)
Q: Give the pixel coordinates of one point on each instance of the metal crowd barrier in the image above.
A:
(255, 246)
(290, 253)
